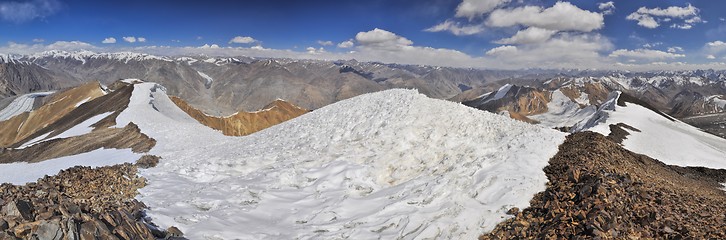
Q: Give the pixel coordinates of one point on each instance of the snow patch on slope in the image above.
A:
(206, 77)
(563, 112)
(393, 164)
(21, 104)
(22, 173)
(672, 142)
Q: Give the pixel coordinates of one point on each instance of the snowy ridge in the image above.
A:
(672, 142)
(84, 55)
(374, 166)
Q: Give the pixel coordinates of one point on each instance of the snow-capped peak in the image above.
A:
(84, 55)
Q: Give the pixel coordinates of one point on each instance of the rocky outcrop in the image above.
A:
(597, 189)
(78, 203)
(244, 123)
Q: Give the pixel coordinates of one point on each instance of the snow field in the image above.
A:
(393, 164)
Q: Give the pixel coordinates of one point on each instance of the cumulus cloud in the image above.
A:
(644, 20)
(528, 36)
(379, 38)
(563, 16)
(24, 11)
(109, 40)
(651, 17)
(607, 8)
(646, 54)
(675, 49)
(141, 39)
(475, 8)
(715, 47)
(456, 28)
(346, 44)
(130, 39)
(18, 48)
(38, 40)
(242, 40)
(325, 43)
(566, 50)
(710, 57)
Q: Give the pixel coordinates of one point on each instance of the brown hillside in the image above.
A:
(20, 127)
(600, 190)
(244, 123)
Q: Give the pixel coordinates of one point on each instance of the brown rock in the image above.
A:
(173, 232)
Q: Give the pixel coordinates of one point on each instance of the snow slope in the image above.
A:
(563, 112)
(22, 173)
(672, 142)
(23, 103)
(392, 164)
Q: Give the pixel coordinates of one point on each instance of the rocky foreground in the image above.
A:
(599, 190)
(80, 203)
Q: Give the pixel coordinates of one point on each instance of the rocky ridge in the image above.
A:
(79, 203)
(599, 190)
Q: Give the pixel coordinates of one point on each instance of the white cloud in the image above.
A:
(379, 38)
(695, 19)
(141, 39)
(563, 16)
(643, 20)
(528, 36)
(502, 50)
(346, 44)
(716, 44)
(651, 17)
(607, 8)
(24, 11)
(130, 39)
(325, 43)
(38, 40)
(672, 11)
(565, 50)
(17, 48)
(710, 57)
(475, 8)
(675, 49)
(207, 46)
(682, 26)
(646, 54)
(652, 45)
(109, 40)
(242, 40)
(456, 28)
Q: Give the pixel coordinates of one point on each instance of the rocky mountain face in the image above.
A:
(678, 94)
(223, 86)
(19, 77)
(244, 123)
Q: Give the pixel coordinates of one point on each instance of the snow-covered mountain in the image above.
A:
(382, 165)
(646, 131)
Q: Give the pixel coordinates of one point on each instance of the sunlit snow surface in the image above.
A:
(393, 164)
(672, 142)
(21, 173)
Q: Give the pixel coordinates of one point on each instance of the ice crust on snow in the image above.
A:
(392, 164)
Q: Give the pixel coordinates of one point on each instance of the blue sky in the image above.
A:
(629, 34)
